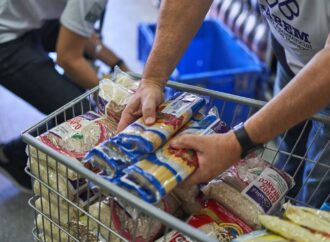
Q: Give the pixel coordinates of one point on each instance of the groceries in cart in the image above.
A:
(115, 93)
(139, 140)
(215, 221)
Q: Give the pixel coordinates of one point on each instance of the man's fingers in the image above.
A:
(187, 142)
(129, 115)
(149, 111)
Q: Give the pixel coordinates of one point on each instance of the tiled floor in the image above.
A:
(120, 32)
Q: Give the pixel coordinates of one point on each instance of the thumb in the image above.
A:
(187, 142)
(149, 111)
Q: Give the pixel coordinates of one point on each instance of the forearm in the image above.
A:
(79, 70)
(305, 95)
(177, 24)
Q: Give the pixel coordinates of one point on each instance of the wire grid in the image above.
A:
(72, 210)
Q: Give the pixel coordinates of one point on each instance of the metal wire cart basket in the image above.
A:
(71, 214)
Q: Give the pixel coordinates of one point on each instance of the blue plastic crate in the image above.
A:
(216, 60)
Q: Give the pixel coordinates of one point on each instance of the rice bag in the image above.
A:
(309, 220)
(215, 221)
(156, 175)
(73, 138)
(234, 201)
(290, 230)
(268, 189)
(260, 236)
(243, 172)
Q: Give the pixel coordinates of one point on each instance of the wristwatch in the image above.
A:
(243, 138)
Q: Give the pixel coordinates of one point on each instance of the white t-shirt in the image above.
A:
(19, 16)
(300, 26)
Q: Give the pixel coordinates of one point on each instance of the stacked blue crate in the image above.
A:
(215, 59)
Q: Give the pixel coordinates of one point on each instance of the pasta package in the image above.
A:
(138, 139)
(234, 201)
(170, 117)
(74, 138)
(260, 236)
(214, 220)
(308, 220)
(290, 230)
(153, 177)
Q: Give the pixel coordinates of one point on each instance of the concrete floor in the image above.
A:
(120, 33)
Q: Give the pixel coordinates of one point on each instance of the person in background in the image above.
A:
(303, 52)
(29, 30)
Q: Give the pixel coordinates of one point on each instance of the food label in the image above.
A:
(72, 126)
(181, 105)
(267, 190)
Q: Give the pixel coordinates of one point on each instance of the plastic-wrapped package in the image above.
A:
(214, 220)
(243, 172)
(157, 174)
(260, 236)
(290, 230)
(324, 215)
(234, 201)
(138, 139)
(127, 221)
(60, 211)
(74, 138)
(66, 187)
(115, 93)
(309, 220)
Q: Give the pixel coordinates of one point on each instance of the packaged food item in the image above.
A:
(157, 174)
(268, 189)
(324, 215)
(74, 138)
(170, 117)
(290, 230)
(51, 232)
(84, 232)
(66, 187)
(189, 198)
(243, 172)
(125, 79)
(308, 220)
(214, 220)
(146, 228)
(234, 201)
(260, 236)
(61, 211)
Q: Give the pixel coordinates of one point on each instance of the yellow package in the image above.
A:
(290, 230)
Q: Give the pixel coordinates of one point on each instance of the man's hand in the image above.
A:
(216, 153)
(144, 102)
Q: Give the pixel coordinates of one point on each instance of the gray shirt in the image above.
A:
(20, 16)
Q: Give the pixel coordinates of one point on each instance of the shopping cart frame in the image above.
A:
(166, 219)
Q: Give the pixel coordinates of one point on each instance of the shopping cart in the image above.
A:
(69, 216)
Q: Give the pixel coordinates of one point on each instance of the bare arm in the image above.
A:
(305, 95)
(177, 24)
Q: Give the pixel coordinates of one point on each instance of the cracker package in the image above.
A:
(156, 175)
(214, 220)
(260, 236)
(307, 219)
(290, 230)
(138, 139)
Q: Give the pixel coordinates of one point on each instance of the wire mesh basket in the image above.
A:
(67, 208)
